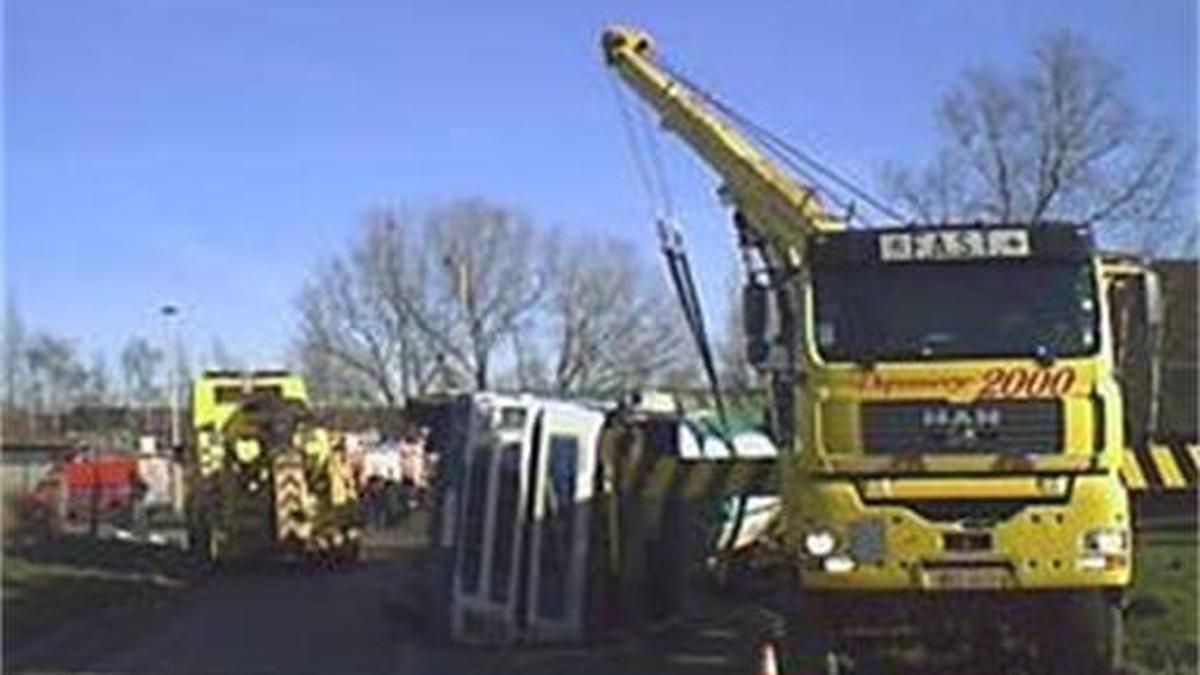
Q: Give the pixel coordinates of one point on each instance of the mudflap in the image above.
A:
(335, 537)
(292, 524)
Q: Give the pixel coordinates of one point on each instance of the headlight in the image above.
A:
(1106, 541)
(820, 543)
(839, 564)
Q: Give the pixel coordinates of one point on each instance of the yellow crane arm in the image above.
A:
(771, 202)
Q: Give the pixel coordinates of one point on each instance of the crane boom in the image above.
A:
(775, 205)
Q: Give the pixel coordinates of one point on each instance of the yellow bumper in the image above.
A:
(899, 536)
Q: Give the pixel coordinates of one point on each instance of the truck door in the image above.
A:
(562, 488)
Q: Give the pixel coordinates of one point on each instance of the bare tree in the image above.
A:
(611, 325)
(422, 302)
(735, 371)
(56, 376)
(489, 273)
(221, 357)
(365, 322)
(341, 323)
(474, 295)
(329, 380)
(140, 362)
(394, 261)
(1060, 143)
(529, 369)
(14, 361)
(97, 382)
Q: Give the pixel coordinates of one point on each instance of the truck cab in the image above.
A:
(963, 422)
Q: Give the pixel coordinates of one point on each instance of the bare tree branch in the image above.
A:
(610, 317)
(1061, 142)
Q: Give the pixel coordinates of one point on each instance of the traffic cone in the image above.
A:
(767, 664)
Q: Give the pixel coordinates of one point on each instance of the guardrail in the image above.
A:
(1162, 467)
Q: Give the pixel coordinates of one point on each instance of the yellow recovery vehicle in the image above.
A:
(948, 408)
(265, 480)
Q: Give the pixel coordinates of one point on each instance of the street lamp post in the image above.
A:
(170, 312)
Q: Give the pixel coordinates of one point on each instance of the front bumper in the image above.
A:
(983, 544)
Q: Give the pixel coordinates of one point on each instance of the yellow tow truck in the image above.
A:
(948, 406)
(265, 480)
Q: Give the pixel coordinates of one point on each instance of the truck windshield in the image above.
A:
(886, 312)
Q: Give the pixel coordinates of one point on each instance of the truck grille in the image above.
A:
(1032, 426)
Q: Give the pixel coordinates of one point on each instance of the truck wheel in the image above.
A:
(353, 552)
(214, 556)
(195, 535)
(203, 547)
(1089, 636)
(808, 649)
(342, 556)
(199, 542)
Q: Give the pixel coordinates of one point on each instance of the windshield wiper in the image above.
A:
(867, 360)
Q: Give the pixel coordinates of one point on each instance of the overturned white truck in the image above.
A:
(557, 520)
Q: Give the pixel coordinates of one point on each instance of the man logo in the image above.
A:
(961, 418)
(959, 427)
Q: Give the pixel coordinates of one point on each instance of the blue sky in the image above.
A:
(211, 152)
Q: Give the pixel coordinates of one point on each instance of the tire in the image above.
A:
(346, 555)
(197, 535)
(1089, 640)
(203, 547)
(808, 648)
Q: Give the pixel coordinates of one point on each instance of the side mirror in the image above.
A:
(1140, 315)
(755, 311)
(1155, 318)
(1153, 299)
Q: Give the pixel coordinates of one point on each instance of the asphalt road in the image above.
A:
(288, 620)
(364, 619)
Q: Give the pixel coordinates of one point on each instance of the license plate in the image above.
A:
(966, 578)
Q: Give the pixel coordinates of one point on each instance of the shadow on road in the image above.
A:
(111, 555)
